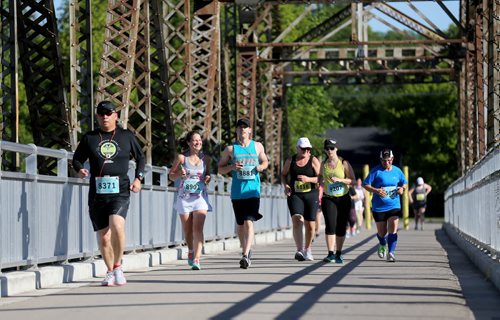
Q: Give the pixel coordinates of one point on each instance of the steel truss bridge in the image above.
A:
(178, 65)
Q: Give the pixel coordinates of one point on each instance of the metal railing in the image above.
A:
(472, 204)
(45, 218)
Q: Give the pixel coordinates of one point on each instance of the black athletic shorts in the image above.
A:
(306, 204)
(101, 208)
(384, 216)
(246, 209)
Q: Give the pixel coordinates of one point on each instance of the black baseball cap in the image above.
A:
(105, 106)
(330, 143)
(243, 122)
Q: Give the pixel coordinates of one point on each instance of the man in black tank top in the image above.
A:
(108, 150)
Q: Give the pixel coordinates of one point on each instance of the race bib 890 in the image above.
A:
(192, 186)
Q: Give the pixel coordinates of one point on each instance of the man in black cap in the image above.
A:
(245, 159)
(387, 183)
(108, 150)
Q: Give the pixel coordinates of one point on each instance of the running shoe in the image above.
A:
(190, 258)
(381, 251)
(329, 258)
(308, 256)
(339, 259)
(109, 280)
(391, 257)
(196, 265)
(119, 277)
(299, 256)
(245, 262)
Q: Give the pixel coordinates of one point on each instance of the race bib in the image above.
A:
(302, 186)
(192, 186)
(246, 173)
(335, 189)
(392, 192)
(420, 197)
(107, 185)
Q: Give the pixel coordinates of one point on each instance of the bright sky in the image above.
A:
(429, 8)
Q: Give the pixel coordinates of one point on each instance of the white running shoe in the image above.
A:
(391, 257)
(119, 277)
(308, 255)
(109, 280)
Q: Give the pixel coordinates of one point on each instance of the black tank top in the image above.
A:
(306, 170)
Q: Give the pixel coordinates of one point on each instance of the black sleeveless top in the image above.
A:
(306, 170)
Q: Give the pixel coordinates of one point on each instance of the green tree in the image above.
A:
(310, 113)
(424, 122)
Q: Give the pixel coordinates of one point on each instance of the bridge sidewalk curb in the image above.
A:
(19, 282)
(489, 267)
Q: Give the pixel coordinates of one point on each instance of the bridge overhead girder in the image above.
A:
(161, 66)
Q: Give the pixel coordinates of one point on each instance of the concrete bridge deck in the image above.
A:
(432, 279)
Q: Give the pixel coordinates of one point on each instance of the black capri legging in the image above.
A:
(336, 212)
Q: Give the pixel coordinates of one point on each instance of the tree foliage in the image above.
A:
(310, 112)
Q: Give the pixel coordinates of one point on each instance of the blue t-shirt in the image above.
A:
(389, 181)
(245, 183)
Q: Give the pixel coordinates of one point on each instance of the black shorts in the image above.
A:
(246, 209)
(101, 208)
(384, 216)
(306, 204)
(417, 206)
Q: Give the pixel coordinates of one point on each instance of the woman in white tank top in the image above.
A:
(192, 205)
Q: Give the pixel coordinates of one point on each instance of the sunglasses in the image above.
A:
(330, 148)
(305, 149)
(105, 113)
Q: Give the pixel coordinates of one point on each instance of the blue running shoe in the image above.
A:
(329, 258)
(339, 259)
(196, 265)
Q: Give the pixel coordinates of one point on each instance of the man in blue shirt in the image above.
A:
(387, 183)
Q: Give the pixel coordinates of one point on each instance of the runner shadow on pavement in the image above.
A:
(295, 313)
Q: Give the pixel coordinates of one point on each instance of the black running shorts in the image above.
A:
(101, 208)
(246, 209)
(384, 216)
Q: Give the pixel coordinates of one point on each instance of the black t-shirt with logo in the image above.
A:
(109, 154)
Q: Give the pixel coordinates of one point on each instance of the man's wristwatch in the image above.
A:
(140, 176)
